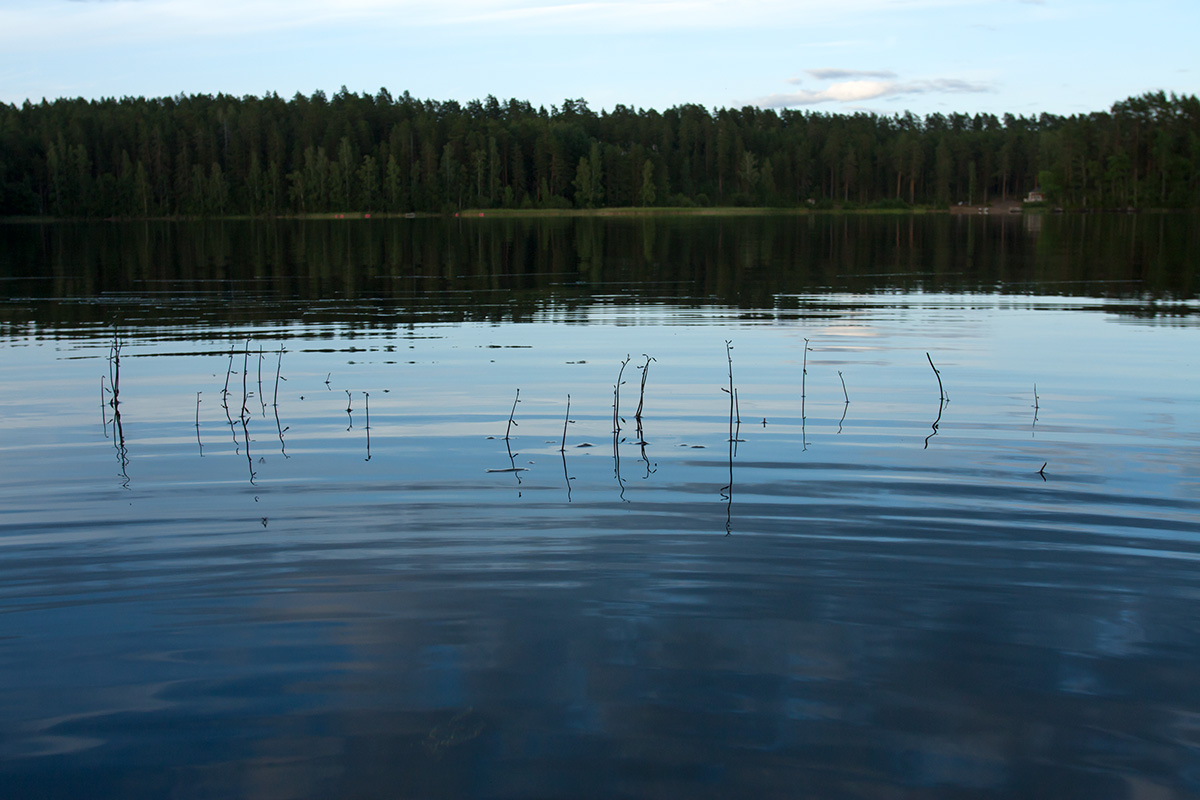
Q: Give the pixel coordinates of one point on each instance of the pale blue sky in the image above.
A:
(1019, 56)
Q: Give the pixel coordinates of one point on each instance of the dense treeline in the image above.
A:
(223, 155)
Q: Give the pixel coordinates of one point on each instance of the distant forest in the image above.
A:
(202, 155)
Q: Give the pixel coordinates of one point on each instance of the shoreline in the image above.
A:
(998, 209)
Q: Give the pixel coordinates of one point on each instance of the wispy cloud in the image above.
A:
(843, 74)
(856, 91)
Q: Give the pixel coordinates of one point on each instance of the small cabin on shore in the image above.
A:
(1035, 196)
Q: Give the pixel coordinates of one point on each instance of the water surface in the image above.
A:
(299, 558)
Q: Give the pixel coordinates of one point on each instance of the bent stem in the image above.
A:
(511, 421)
(941, 392)
(617, 396)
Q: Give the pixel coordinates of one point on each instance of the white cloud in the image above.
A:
(859, 90)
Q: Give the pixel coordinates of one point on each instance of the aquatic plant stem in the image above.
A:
(804, 371)
(261, 399)
(245, 366)
(563, 445)
(278, 367)
(844, 392)
(645, 368)
(228, 372)
(617, 396)
(729, 391)
(198, 425)
(511, 414)
(367, 411)
(941, 392)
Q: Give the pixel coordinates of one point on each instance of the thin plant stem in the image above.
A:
(103, 406)
(228, 372)
(729, 391)
(245, 366)
(562, 448)
(367, 411)
(198, 425)
(804, 371)
(617, 397)
(511, 414)
(941, 392)
(278, 367)
(262, 400)
(642, 394)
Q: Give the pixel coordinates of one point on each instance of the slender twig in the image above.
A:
(348, 408)
(111, 347)
(198, 425)
(645, 368)
(804, 370)
(729, 363)
(261, 399)
(367, 411)
(245, 365)
(279, 427)
(116, 375)
(847, 394)
(511, 414)
(737, 429)
(941, 404)
(803, 426)
(103, 404)
(566, 475)
(941, 392)
(228, 372)
(563, 445)
(249, 458)
(114, 367)
(1036, 407)
(278, 367)
(1042, 471)
(617, 396)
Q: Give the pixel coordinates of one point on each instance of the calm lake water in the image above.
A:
(263, 535)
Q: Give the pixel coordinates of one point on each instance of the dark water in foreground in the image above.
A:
(336, 582)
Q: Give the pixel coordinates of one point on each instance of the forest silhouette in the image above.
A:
(212, 156)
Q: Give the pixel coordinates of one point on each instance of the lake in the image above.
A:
(846, 506)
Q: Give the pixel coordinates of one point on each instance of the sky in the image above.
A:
(1022, 57)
